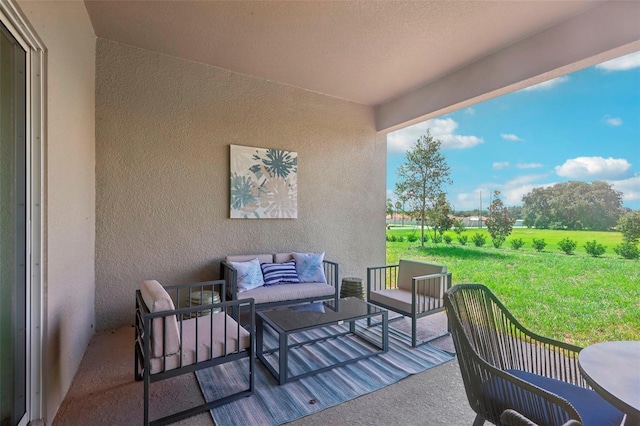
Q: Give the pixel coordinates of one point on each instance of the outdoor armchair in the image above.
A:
(411, 288)
(505, 366)
(170, 342)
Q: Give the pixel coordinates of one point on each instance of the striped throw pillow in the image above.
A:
(276, 273)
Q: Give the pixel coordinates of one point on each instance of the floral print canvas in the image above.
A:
(264, 183)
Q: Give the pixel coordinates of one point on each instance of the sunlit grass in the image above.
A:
(578, 299)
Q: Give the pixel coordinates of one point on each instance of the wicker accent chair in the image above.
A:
(170, 342)
(505, 366)
(411, 288)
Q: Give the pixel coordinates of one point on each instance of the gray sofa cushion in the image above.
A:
(262, 258)
(282, 292)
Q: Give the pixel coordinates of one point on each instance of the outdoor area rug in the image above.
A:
(273, 404)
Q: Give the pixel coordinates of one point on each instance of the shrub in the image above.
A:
(395, 238)
(446, 239)
(462, 239)
(594, 249)
(516, 243)
(629, 225)
(436, 239)
(539, 244)
(627, 250)
(567, 245)
(478, 239)
(412, 238)
(497, 241)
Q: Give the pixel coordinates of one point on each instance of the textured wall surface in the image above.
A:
(69, 244)
(163, 130)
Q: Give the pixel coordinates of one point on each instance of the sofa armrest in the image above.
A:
(331, 272)
(230, 275)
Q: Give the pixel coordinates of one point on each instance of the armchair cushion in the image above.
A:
(400, 299)
(408, 269)
(249, 274)
(157, 300)
(309, 267)
(206, 349)
(593, 409)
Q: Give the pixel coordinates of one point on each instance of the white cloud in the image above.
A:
(441, 128)
(622, 63)
(547, 85)
(614, 121)
(630, 188)
(470, 111)
(510, 137)
(500, 165)
(593, 168)
(525, 166)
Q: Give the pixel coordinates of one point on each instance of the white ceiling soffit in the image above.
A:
(376, 53)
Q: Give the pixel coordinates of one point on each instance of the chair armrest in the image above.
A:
(382, 277)
(431, 285)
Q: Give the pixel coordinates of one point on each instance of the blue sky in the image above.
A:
(583, 126)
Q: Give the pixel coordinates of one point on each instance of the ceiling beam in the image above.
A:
(603, 32)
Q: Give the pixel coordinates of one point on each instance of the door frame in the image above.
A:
(13, 19)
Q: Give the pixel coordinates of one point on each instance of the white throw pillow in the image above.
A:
(249, 274)
(309, 267)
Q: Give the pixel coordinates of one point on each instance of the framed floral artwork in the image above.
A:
(264, 183)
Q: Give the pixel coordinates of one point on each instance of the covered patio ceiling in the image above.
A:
(411, 60)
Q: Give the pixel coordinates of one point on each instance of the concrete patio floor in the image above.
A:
(104, 392)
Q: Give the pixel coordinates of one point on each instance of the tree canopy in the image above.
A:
(573, 205)
(499, 223)
(422, 176)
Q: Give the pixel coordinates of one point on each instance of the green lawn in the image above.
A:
(578, 298)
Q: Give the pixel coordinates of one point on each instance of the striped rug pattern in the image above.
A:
(273, 404)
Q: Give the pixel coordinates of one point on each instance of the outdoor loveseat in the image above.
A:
(280, 279)
(170, 342)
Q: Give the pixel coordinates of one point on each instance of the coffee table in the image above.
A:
(612, 369)
(287, 322)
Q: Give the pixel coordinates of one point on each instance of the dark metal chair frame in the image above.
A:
(143, 333)
(386, 277)
(489, 340)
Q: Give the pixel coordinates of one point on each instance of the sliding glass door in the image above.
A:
(13, 232)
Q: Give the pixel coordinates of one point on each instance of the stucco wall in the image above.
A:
(163, 130)
(69, 275)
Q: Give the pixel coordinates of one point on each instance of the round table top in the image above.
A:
(613, 370)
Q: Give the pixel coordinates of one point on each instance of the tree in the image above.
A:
(438, 216)
(499, 223)
(398, 209)
(573, 205)
(422, 176)
(629, 225)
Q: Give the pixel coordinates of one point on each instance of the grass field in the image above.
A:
(578, 298)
